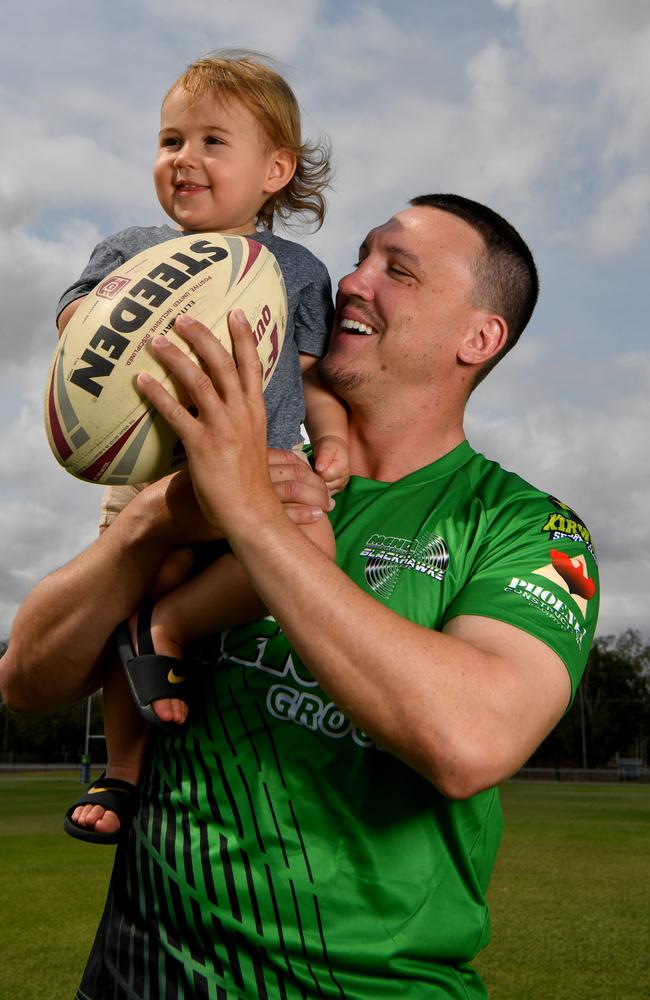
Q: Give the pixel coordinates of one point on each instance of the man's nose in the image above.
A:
(358, 282)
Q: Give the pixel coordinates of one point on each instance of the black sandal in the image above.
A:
(152, 675)
(119, 796)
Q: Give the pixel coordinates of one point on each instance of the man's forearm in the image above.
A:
(393, 678)
(61, 631)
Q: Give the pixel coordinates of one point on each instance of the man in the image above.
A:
(329, 824)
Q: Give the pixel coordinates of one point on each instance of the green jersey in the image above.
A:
(278, 852)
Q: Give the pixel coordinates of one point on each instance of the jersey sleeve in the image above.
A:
(314, 313)
(105, 258)
(536, 569)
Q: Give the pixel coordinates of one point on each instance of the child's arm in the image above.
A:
(67, 313)
(326, 421)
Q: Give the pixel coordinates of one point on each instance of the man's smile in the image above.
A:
(354, 326)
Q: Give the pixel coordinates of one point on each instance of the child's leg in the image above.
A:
(126, 741)
(126, 731)
(220, 597)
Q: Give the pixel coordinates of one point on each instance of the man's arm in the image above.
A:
(465, 707)
(60, 634)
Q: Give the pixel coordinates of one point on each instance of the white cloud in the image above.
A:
(540, 111)
(279, 27)
(583, 40)
(36, 271)
(621, 218)
(592, 453)
(590, 59)
(45, 516)
(107, 166)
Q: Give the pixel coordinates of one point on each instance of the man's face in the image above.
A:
(402, 312)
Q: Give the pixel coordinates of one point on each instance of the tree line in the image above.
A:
(609, 716)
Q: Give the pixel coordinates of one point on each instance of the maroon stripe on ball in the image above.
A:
(254, 249)
(58, 436)
(93, 472)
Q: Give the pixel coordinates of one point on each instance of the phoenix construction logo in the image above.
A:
(387, 556)
(571, 575)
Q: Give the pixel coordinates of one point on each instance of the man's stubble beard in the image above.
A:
(340, 380)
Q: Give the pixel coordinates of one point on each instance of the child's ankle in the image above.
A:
(163, 642)
(125, 772)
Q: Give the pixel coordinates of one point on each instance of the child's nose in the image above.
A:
(185, 155)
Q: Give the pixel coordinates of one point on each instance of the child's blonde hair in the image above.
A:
(250, 78)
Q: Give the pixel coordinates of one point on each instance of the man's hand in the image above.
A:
(173, 510)
(304, 494)
(225, 434)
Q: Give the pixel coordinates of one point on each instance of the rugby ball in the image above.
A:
(99, 427)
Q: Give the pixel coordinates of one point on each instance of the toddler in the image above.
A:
(231, 159)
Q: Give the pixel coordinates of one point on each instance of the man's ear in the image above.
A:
(282, 167)
(486, 339)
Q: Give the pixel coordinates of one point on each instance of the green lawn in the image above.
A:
(570, 896)
(52, 890)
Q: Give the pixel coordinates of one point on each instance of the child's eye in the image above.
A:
(169, 141)
(213, 140)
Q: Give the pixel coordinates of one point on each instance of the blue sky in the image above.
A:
(537, 107)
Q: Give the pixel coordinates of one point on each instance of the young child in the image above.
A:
(230, 159)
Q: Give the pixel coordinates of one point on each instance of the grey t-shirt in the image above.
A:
(309, 314)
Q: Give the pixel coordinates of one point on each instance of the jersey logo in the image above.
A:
(387, 556)
(569, 574)
(565, 523)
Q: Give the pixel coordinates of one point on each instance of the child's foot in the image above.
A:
(172, 710)
(104, 809)
(156, 676)
(96, 818)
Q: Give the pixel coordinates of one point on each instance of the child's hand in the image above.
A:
(332, 461)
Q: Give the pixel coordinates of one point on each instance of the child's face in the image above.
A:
(214, 169)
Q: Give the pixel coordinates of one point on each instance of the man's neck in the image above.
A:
(389, 449)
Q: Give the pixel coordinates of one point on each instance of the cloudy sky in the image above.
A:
(538, 107)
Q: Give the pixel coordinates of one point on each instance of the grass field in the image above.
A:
(570, 895)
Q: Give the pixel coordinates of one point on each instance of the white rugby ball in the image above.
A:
(99, 426)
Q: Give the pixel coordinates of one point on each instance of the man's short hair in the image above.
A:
(506, 280)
